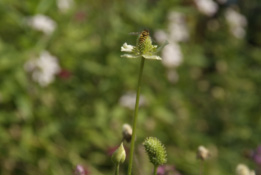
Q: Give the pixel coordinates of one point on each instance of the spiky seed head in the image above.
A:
(144, 43)
(119, 155)
(155, 150)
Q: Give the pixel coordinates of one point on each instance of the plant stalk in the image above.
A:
(135, 117)
(201, 167)
(117, 169)
(155, 170)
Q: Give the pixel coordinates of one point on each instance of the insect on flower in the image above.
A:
(143, 36)
(143, 48)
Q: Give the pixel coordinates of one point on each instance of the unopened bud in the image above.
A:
(203, 153)
(119, 155)
(127, 132)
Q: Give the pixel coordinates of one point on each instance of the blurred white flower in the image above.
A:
(207, 7)
(43, 69)
(252, 172)
(64, 5)
(128, 100)
(127, 132)
(161, 36)
(172, 76)
(177, 27)
(242, 169)
(42, 23)
(172, 55)
(237, 23)
(203, 153)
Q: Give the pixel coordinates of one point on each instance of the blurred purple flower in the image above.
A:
(161, 170)
(257, 155)
(167, 170)
(80, 170)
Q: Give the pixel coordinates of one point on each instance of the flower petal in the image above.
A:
(130, 56)
(127, 48)
(152, 57)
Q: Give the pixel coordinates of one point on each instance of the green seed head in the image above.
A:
(144, 44)
(119, 155)
(155, 150)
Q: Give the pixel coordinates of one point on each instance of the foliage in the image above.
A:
(212, 98)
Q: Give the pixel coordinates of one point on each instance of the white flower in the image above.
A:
(151, 57)
(207, 7)
(128, 100)
(242, 169)
(42, 23)
(160, 36)
(172, 55)
(133, 53)
(237, 23)
(43, 69)
(178, 27)
(127, 132)
(64, 5)
(126, 48)
(143, 49)
(203, 153)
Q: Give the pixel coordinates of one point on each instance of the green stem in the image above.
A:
(155, 170)
(117, 169)
(133, 137)
(201, 167)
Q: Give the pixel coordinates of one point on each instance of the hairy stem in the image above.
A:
(134, 123)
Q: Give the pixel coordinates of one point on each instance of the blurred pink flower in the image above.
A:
(64, 74)
(80, 170)
(80, 16)
(167, 170)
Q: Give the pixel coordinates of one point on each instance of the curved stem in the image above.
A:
(135, 117)
(155, 170)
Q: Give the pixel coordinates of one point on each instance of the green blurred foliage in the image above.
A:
(78, 119)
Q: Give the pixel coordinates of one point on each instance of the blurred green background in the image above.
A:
(65, 92)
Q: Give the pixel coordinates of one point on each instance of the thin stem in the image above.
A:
(117, 169)
(155, 170)
(201, 167)
(135, 117)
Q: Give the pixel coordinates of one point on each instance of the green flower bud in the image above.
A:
(119, 155)
(155, 150)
